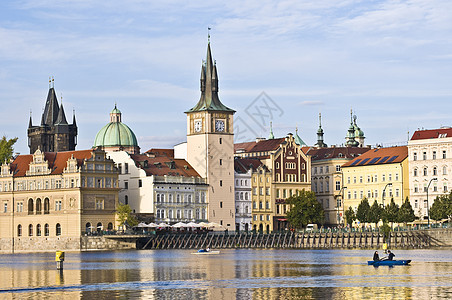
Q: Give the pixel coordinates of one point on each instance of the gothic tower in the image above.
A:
(55, 133)
(210, 145)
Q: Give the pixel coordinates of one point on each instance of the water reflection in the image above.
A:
(234, 274)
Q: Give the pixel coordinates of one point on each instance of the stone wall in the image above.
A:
(440, 236)
(90, 243)
(39, 244)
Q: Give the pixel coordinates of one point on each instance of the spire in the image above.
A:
(51, 108)
(271, 136)
(320, 142)
(350, 138)
(209, 87)
(298, 139)
(30, 124)
(73, 117)
(61, 120)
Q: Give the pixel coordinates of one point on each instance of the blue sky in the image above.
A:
(391, 61)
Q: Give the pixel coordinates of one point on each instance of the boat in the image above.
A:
(388, 262)
(205, 252)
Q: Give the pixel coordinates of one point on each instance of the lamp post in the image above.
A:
(383, 194)
(428, 212)
(338, 203)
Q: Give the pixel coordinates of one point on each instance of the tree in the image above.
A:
(441, 207)
(125, 217)
(362, 214)
(375, 213)
(304, 210)
(406, 212)
(391, 212)
(6, 149)
(350, 215)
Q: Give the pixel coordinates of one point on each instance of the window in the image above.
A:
(58, 205)
(315, 170)
(254, 205)
(126, 185)
(424, 155)
(444, 154)
(416, 189)
(435, 172)
(221, 182)
(46, 230)
(415, 203)
(368, 178)
(338, 185)
(349, 195)
(397, 192)
(444, 170)
(38, 230)
(434, 155)
(267, 205)
(19, 230)
(338, 168)
(415, 172)
(221, 162)
(390, 177)
(327, 169)
(126, 168)
(261, 191)
(354, 179)
(360, 179)
(126, 200)
(5, 207)
(355, 194)
(445, 187)
(375, 178)
(267, 191)
(396, 176)
(415, 156)
(30, 230)
(254, 191)
(383, 177)
(221, 141)
(58, 229)
(425, 171)
(348, 180)
(260, 204)
(99, 204)
(140, 183)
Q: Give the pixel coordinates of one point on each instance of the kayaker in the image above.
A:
(390, 255)
(376, 256)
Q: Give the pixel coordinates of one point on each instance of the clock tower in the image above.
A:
(210, 145)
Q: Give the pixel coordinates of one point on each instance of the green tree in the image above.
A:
(441, 207)
(304, 210)
(362, 214)
(350, 215)
(406, 212)
(124, 213)
(375, 213)
(6, 149)
(391, 212)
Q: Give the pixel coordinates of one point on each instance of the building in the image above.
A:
(116, 136)
(243, 168)
(284, 171)
(378, 174)
(54, 134)
(210, 145)
(50, 199)
(355, 136)
(326, 178)
(160, 188)
(430, 161)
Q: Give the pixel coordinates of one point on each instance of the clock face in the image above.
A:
(219, 125)
(198, 126)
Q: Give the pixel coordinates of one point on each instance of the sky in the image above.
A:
(278, 61)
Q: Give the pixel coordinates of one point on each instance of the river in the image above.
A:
(233, 274)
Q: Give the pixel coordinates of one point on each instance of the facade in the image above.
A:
(326, 178)
(243, 169)
(284, 171)
(116, 136)
(430, 161)
(50, 199)
(210, 145)
(378, 174)
(160, 188)
(54, 134)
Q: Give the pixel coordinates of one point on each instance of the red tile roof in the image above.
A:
(161, 152)
(242, 165)
(57, 161)
(380, 156)
(163, 165)
(259, 146)
(432, 134)
(336, 152)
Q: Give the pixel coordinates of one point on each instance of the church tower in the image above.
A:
(54, 134)
(210, 145)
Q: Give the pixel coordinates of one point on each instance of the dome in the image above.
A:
(115, 134)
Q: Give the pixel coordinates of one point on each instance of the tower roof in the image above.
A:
(50, 114)
(209, 100)
(298, 139)
(61, 119)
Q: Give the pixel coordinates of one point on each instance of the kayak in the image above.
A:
(388, 262)
(206, 252)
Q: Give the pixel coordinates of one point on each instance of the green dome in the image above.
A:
(115, 111)
(115, 134)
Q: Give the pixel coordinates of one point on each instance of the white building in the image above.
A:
(430, 160)
(157, 186)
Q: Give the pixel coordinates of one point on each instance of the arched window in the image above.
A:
(241, 195)
(415, 172)
(178, 214)
(46, 230)
(30, 206)
(189, 198)
(246, 195)
(435, 171)
(38, 230)
(178, 198)
(58, 229)
(197, 213)
(425, 171)
(162, 213)
(38, 206)
(158, 213)
(99, 227)
(110, 226)
(444, 170)
(158, 198)
(88, 227)
(30, 230)
(46, 205)
(19, 230)
(170, 213)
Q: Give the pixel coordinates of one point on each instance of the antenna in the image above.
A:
(208, 34)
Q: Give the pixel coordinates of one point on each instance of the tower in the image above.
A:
(210, 145)
(320, 143)
(55, 133)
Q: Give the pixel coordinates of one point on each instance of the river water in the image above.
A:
(233, 274)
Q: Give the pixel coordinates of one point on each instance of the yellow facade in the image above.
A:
(262, 204)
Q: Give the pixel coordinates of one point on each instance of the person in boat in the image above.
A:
(208, 250)
(390, 255)
(376, 256)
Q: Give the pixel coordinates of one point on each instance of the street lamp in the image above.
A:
(383, 194)
(338, 202)
(428, 213)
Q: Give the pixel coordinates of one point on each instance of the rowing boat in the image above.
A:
(388, 262)
(206, 252)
